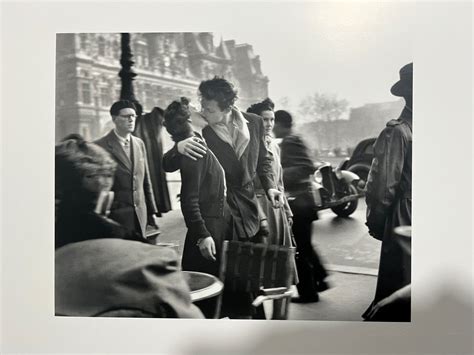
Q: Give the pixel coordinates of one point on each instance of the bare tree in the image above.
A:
(283, 103)
(325, 107)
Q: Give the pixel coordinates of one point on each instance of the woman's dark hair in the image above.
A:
(74, 159)
(283, 118)
(259, 107)
(220, 90)
(177, 116)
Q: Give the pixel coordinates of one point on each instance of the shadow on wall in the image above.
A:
(443, 326)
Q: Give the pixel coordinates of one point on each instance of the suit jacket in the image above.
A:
(114, 277)
(239, 173)
(296, 163)
(132, 187)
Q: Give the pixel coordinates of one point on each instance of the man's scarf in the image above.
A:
(240, 138)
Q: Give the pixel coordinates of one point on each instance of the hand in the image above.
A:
(192, 147)
(264, 229)
(290, 221)
(207, 247)
(276, 197)
(104, 202)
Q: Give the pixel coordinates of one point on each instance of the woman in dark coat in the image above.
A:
(202, 196)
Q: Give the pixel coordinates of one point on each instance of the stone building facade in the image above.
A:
(169, 65)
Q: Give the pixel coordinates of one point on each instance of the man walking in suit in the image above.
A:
(134, 204)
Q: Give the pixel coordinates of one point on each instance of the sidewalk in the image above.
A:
(352, 289)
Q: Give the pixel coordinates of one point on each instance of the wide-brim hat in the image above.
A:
(404, 87)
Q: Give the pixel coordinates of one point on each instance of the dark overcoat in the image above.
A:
(134, 199)
(149, 128)
(204, 209)
(239, 174)
(388, 200)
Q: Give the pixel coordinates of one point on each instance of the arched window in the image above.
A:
(86, 93)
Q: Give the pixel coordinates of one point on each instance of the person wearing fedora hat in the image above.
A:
(388, 194)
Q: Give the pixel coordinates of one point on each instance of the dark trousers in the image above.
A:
(308, 264)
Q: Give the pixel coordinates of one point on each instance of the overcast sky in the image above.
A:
(353, 50)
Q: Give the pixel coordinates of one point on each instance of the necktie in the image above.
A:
(126, 147)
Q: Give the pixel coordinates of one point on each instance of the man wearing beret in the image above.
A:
(134, 203)
(388, 193)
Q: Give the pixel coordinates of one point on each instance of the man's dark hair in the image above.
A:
(283, 118)
(177, 115)
(220, 90)
(119, 105)
(259, 107)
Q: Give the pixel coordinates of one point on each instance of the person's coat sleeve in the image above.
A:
(295, 161)
(171, 160)
(147, 186)
(191, 173)
(385, 175)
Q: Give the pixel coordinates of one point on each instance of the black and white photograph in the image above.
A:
(265, 200)
(244, 168)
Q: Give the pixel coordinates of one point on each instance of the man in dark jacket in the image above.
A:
(134, 203)
(297, 168)
(388, 194)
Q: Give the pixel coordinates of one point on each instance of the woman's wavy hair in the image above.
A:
(219, 90)
(76, 158)
(259, 107)
(177, 116)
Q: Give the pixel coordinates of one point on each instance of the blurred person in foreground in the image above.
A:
(297, 170)
(84, 178)
(134, 203)
(277, 221)
(97, 271)
(202, 195)
(388, 193)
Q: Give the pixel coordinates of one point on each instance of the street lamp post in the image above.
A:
(127, 74)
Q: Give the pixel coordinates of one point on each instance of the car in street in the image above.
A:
(360, 161)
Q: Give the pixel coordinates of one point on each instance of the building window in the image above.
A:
(149, 97)
(83, 40)
(101, 45)
(116, 49)
(104, 97)
(86, 93)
